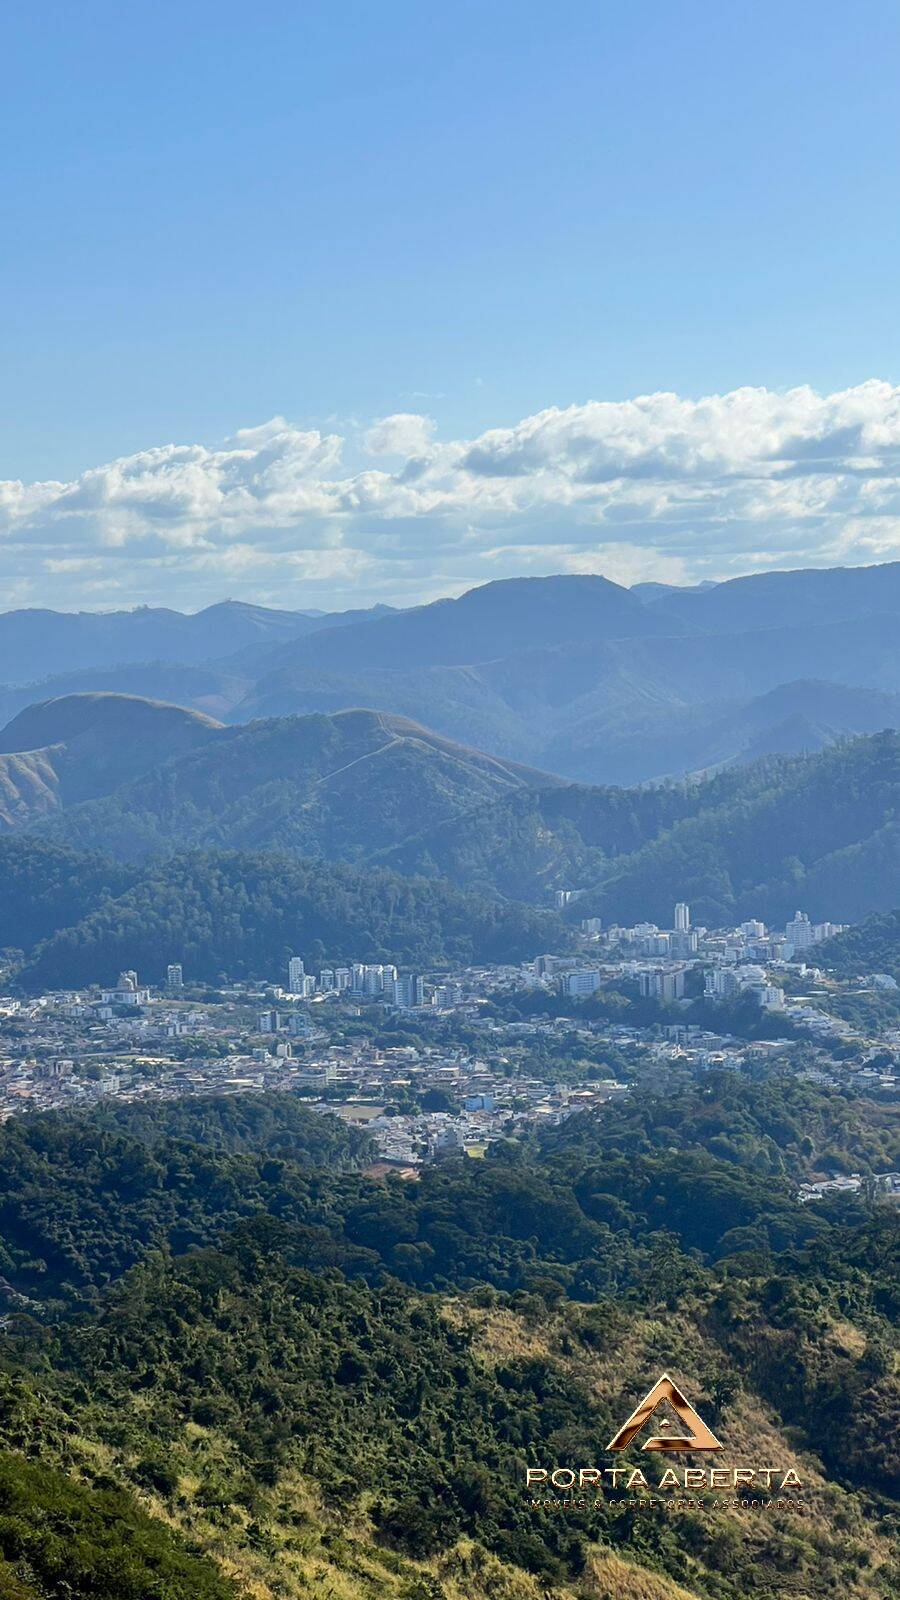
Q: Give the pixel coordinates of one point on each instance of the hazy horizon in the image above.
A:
(450, 594)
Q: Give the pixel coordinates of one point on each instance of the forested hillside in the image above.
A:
(820, 832)
(45, 887)
(338, 1387)
(234, 915)
(338, 787)
(533, 841)
(874, 946)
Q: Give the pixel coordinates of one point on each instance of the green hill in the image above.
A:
(45, 887)
(341, 787)
(337, 1388)
(874, 946)
(61, 1536)
(753, 841)
(241, 915)
(819, 831)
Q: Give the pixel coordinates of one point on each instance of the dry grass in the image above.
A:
(611, 1578)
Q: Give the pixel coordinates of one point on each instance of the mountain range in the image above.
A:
(40, 642)
(136, 777)
(135, 780)
(575, 675)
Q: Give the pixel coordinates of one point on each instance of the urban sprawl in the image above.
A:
(437, 1066)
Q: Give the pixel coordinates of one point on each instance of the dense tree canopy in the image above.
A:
(243, 915)
(207, 1304)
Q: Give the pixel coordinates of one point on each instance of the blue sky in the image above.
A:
(215, 215)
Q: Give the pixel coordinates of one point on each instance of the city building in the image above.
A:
(408, 992)
(581, 984)
(662, 983)
(126, 992)
(722, 983)
(799, 932)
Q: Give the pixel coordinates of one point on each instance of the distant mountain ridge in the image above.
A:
(38, 642)
(572, 674)
(617, 710)
(808, 596)
(484, 624)
(607, 685)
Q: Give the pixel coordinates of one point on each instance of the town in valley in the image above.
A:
(440, 1065)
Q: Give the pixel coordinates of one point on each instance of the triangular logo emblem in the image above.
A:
(697, 1437)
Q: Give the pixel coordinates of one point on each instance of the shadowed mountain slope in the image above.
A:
(64, 751)
(486, 623)
(342, 787)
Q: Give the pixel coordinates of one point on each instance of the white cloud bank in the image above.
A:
(658, 486)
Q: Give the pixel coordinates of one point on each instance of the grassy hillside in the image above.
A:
(294, 1420)
(61, 1535)
(59, 752)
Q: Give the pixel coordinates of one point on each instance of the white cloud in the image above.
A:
(659, 485)
(404, 433)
